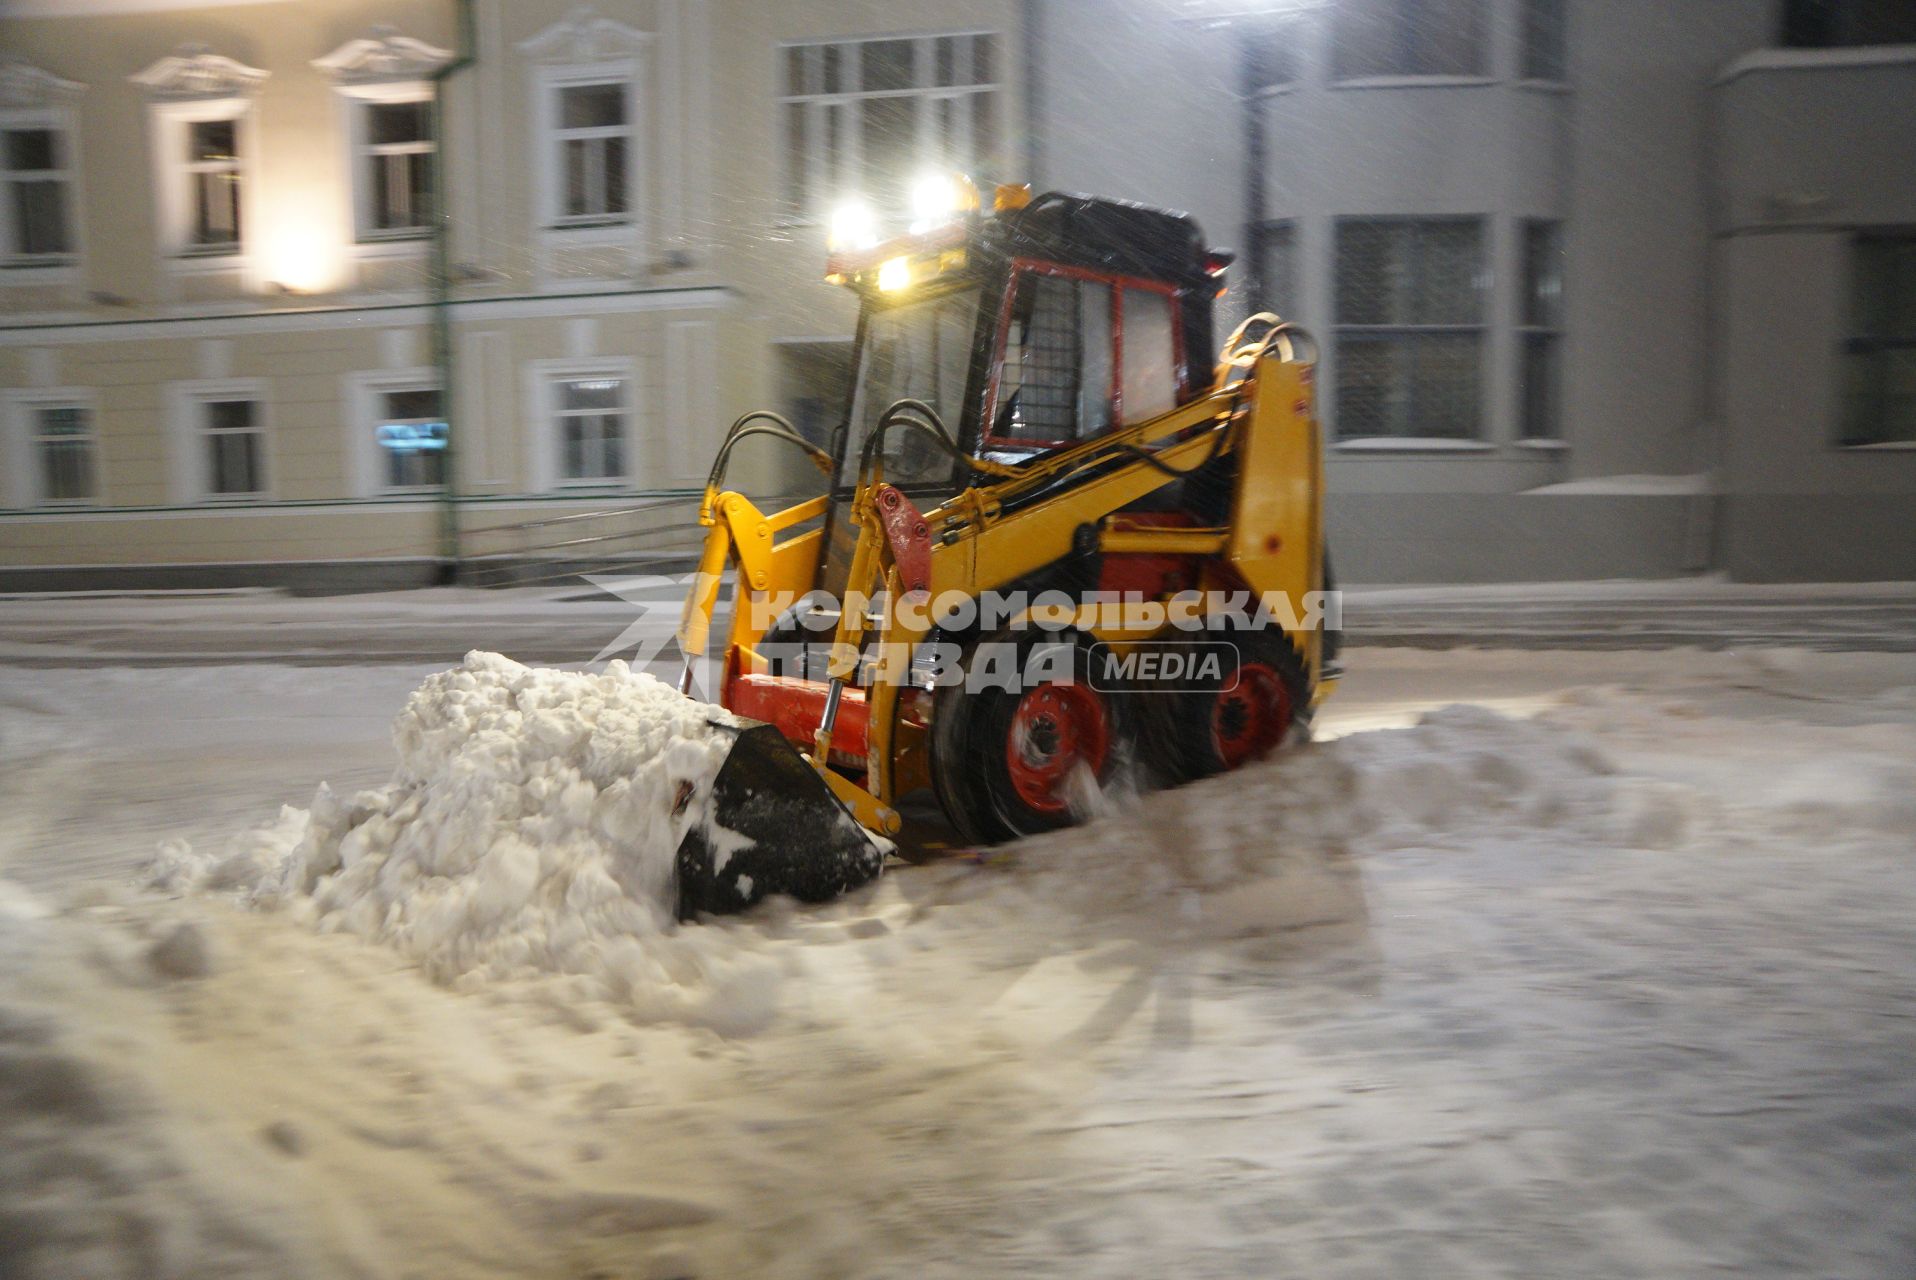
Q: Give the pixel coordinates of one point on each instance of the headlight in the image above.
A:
(853, 226)
(894, 274)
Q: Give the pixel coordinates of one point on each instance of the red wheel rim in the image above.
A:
(1250, 719)
(1055, 728)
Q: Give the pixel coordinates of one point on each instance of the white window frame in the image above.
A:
(26, 488)
(17, 266)
(192, 479)
(363, 402)
(547, 465)
(554, 222)
(846, 180)
(360, 99)
(36, 98)
(172, 130)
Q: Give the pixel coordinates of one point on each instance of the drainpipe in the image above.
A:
(1031, 25)
(1251, 270)
(442, 288)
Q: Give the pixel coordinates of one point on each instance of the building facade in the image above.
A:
(1604, 287)
(221, 356)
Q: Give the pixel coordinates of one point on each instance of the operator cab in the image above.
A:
(1041, 326)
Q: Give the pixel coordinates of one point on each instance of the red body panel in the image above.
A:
(796, 706)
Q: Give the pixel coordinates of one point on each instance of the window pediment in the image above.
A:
(384, 56)
(197, 72)
(585, 36)
(23, 85)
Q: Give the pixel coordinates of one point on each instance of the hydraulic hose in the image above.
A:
(759, 422)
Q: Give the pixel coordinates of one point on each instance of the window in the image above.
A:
(1274, 255)
(594, 140)
(1379, 38)
(394, 171)
(591, 421)
(1149, 385)
(1055, 385)
(411, 434)
(235, 447)
(868, 116)
(1067, 335)
(915, 350)
(37, 201)
(1825, 24)
(213, 181)
(1879, 402)
(1540, 330)
(1544, 56)
(1410, 327)
(199, 104)
(63, 450)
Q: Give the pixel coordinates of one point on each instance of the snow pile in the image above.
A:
(530, 828)
(1274, 846)
(102, 1179)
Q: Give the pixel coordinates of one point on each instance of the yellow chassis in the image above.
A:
(1273, 542)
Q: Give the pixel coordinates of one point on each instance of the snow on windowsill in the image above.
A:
(1412, 444)
(1881, 55)
(1642, 486)
(1414, 82)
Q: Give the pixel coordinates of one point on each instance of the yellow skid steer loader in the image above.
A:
(1055, 540)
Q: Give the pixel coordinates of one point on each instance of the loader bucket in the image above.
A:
(772, 826)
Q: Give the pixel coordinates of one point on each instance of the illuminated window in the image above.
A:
(591, 420)
(868, 116)
(37, 208)
(411, 435)
(1410, 328)
(1879, 401)
(1388, 38)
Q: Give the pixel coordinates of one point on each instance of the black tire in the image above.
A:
(1002, 759)
(1214, 725)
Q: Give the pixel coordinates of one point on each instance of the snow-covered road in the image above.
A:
(1607, 972)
